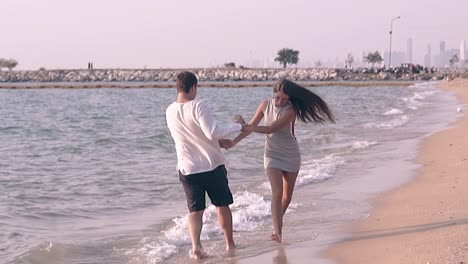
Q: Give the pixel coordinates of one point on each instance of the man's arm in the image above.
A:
(254, 122)
(210, 127)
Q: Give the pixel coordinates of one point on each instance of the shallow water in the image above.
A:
(88, 175)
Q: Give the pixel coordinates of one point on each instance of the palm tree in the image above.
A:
(11, 63)
(3, 63)
(287, 56)
(373, 58)
(454, 60)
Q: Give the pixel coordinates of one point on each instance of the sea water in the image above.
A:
(89, 175)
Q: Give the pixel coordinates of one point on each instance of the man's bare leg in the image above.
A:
(225, 221)
(195, 224)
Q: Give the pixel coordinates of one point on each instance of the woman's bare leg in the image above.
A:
(275, 176)
(289, 181)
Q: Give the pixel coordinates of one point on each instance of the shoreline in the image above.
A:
(424, 220)
(157, 85)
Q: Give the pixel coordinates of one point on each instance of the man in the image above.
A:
(199, 159)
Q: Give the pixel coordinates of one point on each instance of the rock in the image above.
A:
(384, 76)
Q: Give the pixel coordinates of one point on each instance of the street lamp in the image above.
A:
(390, 51)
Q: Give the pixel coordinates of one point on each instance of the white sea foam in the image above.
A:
(362, 145)
(248, 213)
(392, 123)
(152, 252)
(318, 170)
(415, 101)
(393, 111)
(47, 247)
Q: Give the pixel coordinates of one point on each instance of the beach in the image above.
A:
(424, 221)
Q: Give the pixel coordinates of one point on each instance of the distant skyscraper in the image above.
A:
(442, 46)
(442, 59)
(428, 57)
(398, 57)
(462, 53)
(409, 50)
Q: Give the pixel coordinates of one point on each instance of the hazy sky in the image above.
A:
(189, 33)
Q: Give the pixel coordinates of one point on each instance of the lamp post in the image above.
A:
(390, 50)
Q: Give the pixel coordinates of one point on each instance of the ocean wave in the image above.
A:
(362, 145)
(417, 99)
(46, 252)
(249, 212)
(152, 252)
(392, 123)
(393, 111)
(319, 170)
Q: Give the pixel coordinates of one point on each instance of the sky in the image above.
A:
(205, 33)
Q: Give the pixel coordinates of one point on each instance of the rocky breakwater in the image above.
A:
(215, 77)
(166, 75)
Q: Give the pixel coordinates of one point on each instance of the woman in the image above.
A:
(282, 159)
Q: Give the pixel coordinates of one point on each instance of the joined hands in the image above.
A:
(226, 143)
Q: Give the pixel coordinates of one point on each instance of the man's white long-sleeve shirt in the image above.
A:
(196, 132)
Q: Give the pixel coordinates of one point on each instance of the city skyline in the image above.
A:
(181, 33)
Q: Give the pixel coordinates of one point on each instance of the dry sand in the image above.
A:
(426, 220)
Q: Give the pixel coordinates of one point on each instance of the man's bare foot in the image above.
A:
(276, 237)
(231, 251)
(197, 254)
(230, 247)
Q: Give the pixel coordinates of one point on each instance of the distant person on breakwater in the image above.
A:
(282, 159)
(198, 139)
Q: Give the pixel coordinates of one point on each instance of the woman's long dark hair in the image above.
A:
(310, 108)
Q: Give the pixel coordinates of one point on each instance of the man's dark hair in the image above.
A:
(185, 80)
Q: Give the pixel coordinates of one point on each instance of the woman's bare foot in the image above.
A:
(197, 254)
(276, 237)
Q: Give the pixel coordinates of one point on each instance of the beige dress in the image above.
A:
(281, 148)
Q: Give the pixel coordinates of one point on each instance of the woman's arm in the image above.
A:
(288, 116)
(254, 122)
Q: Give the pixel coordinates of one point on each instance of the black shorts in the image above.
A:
(214, 182)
